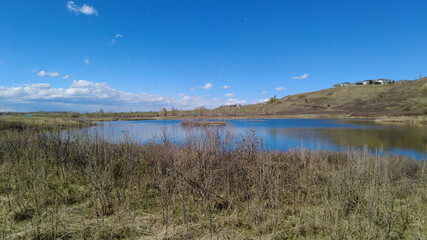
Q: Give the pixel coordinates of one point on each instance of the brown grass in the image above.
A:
(77, 186)
(200, 123)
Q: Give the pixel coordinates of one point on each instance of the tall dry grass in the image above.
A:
(60, 185)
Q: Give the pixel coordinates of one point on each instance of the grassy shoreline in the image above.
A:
(74, 187)
(419, 119)
(403, 119)
(49, 123)
(84, 120)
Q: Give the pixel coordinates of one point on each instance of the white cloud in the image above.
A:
(84, 95)
(47, 74)
(232, 101)
(264, 92)
(208, 86)
(86, 61)
(304, 76)
(85, 9)
(279, 88)
(114, 40)
(88, 10)
(229, 95)
(263, 100)
(66, 77)
(79, 91)
(226, 87)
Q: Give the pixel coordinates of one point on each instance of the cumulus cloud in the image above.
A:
(279, 88)
(304, 76)
(43, 73)
(263, 100)
(264, 92)
(233, 101)
(226, 87)
(86, 61)
(207, 86)
(66, 77)
(229, 95)
(84, 95)
(85, 9)
(114, 40)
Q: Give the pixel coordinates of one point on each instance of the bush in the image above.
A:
(209, 186)
(272, 99)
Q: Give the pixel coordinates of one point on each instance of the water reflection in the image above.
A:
(387, 139)
(283, 134)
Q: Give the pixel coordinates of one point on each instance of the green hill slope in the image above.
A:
(401, 98)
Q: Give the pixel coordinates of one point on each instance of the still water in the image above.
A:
(284, 134)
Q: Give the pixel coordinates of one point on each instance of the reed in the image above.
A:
(199, 123)
(67, 185)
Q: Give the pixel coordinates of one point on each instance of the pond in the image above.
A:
(285, 134)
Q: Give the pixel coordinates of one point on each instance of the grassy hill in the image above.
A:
(401, 98)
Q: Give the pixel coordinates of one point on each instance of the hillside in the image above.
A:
(401, 98)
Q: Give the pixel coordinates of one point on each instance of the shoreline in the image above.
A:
(421, 119)
(63, 122)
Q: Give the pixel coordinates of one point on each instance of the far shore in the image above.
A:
(47, 121)
(420, 119)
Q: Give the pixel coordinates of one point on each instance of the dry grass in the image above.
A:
(68, 186)
(403, 119)
(402, 98)
(23, 122)
(199, 123)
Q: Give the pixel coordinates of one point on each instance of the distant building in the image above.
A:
(229, 105)
(366, 82)
(381, 81)
(342, 84)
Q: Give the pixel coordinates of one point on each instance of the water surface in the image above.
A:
(285, 134)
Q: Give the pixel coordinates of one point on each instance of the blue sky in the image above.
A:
(139, 55)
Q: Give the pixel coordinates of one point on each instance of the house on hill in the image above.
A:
(366, 82)
(342, 84)
(381, 81)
